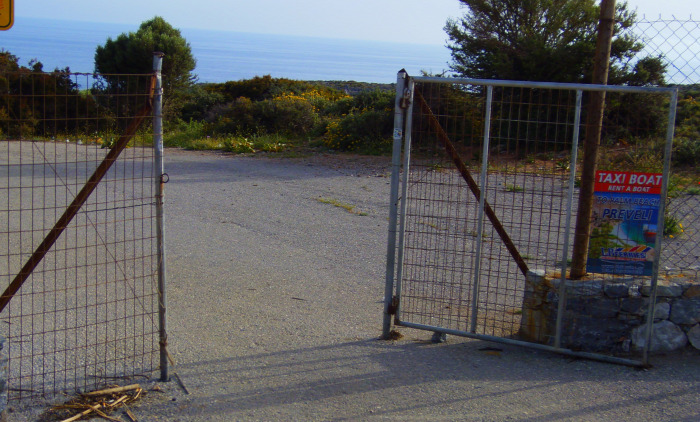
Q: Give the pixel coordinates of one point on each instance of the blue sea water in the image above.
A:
(223, 56)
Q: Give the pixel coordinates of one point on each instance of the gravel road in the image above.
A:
(275, 291)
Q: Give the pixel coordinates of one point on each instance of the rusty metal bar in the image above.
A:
(454, 155)
(75, 206)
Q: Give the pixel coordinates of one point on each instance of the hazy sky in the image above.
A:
(412, 21)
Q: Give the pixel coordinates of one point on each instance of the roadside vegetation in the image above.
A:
(266, 114)
(277, 115)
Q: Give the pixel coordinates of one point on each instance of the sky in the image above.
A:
(410, 21)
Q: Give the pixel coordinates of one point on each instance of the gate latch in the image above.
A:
(393, 306)
(406, 99)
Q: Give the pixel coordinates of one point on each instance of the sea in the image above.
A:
(228, 55)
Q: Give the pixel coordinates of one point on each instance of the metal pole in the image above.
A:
(569, 211)
(393, 202)
(159, 175)
(482, 202)
(660, 223)
(404, 193)
(528, 344)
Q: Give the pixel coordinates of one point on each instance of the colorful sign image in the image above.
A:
(624, 227)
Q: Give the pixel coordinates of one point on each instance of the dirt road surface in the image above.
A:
(275, 281)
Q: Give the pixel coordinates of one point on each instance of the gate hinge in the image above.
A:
(393, 306)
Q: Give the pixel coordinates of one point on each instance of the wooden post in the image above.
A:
(594, 124)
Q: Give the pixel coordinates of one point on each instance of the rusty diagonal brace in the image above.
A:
(454, 155)
(77, 203)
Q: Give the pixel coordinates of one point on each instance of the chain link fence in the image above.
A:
(677, 41)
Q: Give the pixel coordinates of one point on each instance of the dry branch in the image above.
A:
(101, 402)
(91, 409)
(113, 390)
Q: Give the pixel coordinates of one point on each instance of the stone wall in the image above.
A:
(609, 316)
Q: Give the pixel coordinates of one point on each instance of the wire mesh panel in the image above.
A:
(530, 143)
(502, 272)
(88, 312)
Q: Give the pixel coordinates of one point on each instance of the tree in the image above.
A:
(132, 53)
(27, 100)
(544, 40)
(555, 41)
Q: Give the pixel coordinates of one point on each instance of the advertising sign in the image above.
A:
(624, 227)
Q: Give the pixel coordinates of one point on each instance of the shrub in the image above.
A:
(289, 114)
(368, 131)
(242, 145)
(182, 135)
(265, 87)
(197, 101)
(237, 117)
(374, 100)
(263, 106)
(365, 124)
(686, 152)
(238, 145)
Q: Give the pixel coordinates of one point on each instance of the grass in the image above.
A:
(105, 139)
(193, 136)
(693, 190)
(563, 165)
(437, 167)
(672, 226)
(474, 233)
(431, 225)
(336, 203)
(514, 188)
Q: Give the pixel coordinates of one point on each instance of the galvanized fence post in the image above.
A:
(408, 124)
(393, 202)
(482, 203)
(160, 179)
(569, 212)
(660, 225)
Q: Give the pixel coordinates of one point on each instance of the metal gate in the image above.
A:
(81, 239)
(483, 265)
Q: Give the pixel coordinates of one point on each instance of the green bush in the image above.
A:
(365, 123)
(197, 101)
(238, 110)
(368, 132)
(686, 152)
(265, 87)
(183, 133)
(374, 100)
(287, 114)
(237, 117)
